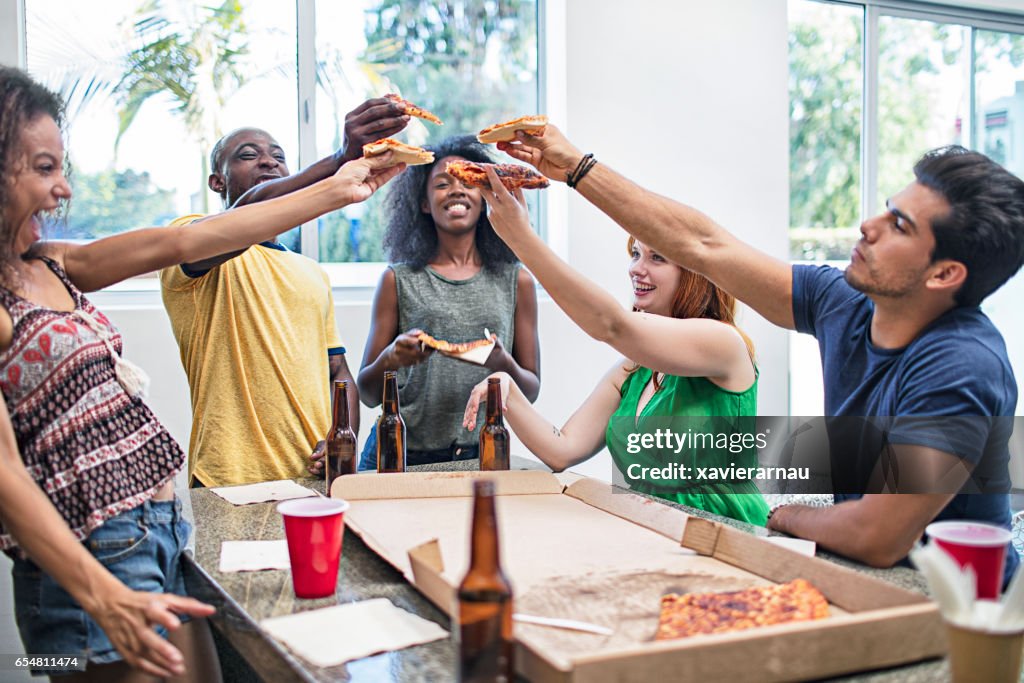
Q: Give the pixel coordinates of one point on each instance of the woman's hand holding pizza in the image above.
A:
(407, 350)
(508, 214)
(479, 395)
(552, 154)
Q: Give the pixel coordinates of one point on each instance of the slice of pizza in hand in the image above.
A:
(401, 152)
(476, 351)
(412, 110)
(703, 613)
(506, 132)
(512, 175)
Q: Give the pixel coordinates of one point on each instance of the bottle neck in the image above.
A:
(390, 402)
(494, 413)
(484, 545)
(340, 414)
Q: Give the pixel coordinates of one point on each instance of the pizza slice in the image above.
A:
(455, 348)
(702, 613)
(412, 110)
(504, 132)
(477, 351)
(512, 175)
(403, 153)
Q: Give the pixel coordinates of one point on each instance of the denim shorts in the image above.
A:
(368, 458)
(142, 547)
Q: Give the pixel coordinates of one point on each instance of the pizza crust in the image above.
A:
(402, 153)
(504, 132)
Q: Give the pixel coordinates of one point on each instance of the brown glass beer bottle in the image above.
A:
(494, 439)
(390, 429)
(486, 645)
(341, 440)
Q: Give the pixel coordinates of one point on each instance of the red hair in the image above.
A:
(698, 297)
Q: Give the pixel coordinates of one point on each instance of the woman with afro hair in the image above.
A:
(450, 276)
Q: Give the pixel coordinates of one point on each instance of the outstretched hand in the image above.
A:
(128, 618)
(359, 179)
(551, 153)
(370, 121)
(507, 213)
(479, 395)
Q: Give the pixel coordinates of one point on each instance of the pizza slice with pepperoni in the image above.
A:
(511, 175)
(703, 613)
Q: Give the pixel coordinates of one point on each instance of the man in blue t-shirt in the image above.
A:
(919, 392)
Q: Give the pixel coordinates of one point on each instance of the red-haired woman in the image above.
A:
(683, 397)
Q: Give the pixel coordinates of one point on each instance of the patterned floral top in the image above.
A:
(94, 450)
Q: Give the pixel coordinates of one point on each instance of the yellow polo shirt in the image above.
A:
(254, 335)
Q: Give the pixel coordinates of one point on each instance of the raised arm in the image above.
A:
(103, 262)
(693, 348)
(681, 233)
(372, 120)
(579, 439)
(125, 615)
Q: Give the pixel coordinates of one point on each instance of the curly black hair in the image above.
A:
(21, 101)
(410, 236)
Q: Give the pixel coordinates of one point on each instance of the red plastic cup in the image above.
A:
(977, 545)
(313, 527)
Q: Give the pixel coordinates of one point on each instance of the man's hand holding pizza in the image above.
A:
(552, 154)
(372, 120)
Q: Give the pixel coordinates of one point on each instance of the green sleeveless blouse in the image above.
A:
(682, 405)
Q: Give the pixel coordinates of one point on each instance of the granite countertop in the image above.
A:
(243, 599)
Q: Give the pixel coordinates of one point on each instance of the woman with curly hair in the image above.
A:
(450, 276)
(87, 505)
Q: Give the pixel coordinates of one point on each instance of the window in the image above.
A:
(471, 62)
(873, 85)
(153, 85)
(916, 66)
(150, 88)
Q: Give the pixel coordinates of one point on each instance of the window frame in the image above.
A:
(974, 19)
(550, 22)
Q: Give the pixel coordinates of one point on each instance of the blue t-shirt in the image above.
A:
(956, 369)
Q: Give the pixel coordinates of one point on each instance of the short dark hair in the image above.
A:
(21, 100)
(410, 236)
(984, 228)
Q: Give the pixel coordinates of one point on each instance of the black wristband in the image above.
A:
(584, 171)
(585, 164)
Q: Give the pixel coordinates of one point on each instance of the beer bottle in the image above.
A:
(486, 646)
(341, 440)
(494, 440)
(390, 429)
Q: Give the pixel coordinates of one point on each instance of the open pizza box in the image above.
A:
(574, 549)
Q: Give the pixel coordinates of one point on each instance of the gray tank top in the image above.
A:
(433, 394)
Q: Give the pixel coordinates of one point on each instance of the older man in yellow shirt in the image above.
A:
(256, 328)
